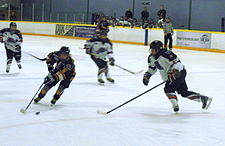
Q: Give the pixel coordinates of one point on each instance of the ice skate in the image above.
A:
(8, 68)
(176, 108)
(101, 81)
(110, 80)
(36, 100)
(206, 101)
(53, 101)
(19, 65)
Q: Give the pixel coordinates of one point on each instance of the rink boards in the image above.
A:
(182, 39)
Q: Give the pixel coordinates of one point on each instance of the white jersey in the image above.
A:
(100, 48)
(11, 40)
(165, 61)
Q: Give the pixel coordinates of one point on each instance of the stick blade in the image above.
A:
(101, 112)
(138, 72)
(22, 110)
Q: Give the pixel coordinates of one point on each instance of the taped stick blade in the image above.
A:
(101, 112)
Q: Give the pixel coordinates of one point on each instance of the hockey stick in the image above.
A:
(128, 70)
(121, 67)
(24, 110)
(105, 113)
(41, 59)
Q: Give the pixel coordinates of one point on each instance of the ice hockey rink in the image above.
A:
(73, 121)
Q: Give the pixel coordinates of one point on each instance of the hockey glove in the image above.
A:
(18, 48)
(112, 61)
(1, 39)
(50, 68)
(88, 50)
(146, 78)
(173, 75)
(49, 79)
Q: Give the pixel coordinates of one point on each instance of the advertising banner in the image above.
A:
(65, 30)
(193, 39)
(85, 31)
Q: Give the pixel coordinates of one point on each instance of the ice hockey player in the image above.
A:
(63, 72)
(100, 48)
(12, 39)
(173, 72)
(103, 25)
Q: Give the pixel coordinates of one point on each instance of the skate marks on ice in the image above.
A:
(13, 74)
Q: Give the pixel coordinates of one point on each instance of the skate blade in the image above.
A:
(209, 102)
(101, 84)
(36, 103)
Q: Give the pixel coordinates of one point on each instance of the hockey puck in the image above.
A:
(37, 113)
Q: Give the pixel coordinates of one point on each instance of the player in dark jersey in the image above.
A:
(173, 72)
(103, 26)
(12, 39)
(63, 72)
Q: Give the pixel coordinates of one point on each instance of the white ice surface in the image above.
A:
(146, 121)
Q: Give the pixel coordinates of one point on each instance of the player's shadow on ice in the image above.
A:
(180, 117)
(46, 107)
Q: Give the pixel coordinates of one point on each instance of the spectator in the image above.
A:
(13, 16)
(162, 12)
(160, 22)
(145, 24)
(168, 32)
(129, 14)
(144, 14)
(2, 16)
(151, 23)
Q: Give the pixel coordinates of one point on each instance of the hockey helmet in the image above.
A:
(12, 24)
(64, 50)
(156, 45)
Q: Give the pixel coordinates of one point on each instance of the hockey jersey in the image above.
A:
(11, 39)
(165, 61)
(100, 48)
(64, 69)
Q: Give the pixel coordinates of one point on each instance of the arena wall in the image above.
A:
(192, 40)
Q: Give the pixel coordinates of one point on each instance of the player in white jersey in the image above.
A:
(12, 39)
(173, 72)
(100, 48)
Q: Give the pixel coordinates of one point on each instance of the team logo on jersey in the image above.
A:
(100, 50)
(157, 65)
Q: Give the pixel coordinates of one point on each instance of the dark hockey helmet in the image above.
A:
(156, 45)
(64, 50)
(12, 24)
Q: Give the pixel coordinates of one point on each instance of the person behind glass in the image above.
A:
(151, 23)
(2, 15)
(162, 12)
(168, 32)
(13, 16)
(144, 15)
(128, 14)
